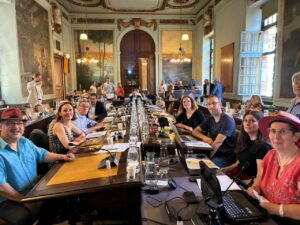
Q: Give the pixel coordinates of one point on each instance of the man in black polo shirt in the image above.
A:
(218, 130)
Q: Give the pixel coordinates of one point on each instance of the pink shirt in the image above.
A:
(282, 189)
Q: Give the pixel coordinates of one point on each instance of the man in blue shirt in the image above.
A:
(83, 122)
(294, 107)
(219, 131)
(218, 89)
(18, 161)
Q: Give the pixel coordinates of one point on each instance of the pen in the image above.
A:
(109, 149)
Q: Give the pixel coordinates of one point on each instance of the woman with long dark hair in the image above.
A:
(251, 147)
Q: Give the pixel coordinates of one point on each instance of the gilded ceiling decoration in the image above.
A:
(137, 23)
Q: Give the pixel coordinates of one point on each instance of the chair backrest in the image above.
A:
(39, 138)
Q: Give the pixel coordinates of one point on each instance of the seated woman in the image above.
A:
(251, 148)
(189, 116)
(61, 130)
(169, 94)
(255, 103)
(278, 180)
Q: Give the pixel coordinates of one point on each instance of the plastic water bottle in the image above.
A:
(163, 164)
(132, 160)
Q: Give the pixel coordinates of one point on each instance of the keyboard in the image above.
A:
(239, 208)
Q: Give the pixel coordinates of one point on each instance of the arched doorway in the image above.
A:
(137, 61)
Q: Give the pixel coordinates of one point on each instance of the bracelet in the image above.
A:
(280, 211)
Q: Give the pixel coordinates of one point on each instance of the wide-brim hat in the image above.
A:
(12, 114)
(285, 117)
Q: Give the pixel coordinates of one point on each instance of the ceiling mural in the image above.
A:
(135, 6)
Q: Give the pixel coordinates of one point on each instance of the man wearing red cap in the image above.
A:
(18, 160)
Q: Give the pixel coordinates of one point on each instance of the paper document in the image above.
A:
(108, 119)
(96, 134)
(200, 144)
(118, 147)
(193, 163)
(224, 181)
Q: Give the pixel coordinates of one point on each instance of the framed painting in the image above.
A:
(94, 57)
(34, 44)
(290, 60)
(227, 56)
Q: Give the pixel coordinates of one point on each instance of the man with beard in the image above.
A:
(218, 130)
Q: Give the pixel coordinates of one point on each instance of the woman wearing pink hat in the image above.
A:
(278, 180)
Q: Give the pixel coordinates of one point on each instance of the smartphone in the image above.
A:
(190, 197)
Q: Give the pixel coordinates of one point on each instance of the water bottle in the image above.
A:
(163, 164)
(132, 160)
(150, 172)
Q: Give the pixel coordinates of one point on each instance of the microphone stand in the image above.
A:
(113, 160)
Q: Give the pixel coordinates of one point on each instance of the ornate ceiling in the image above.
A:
(161, 7)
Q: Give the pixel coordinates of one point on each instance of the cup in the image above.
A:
(120, 126)
(123, 118)
(266, 112)
(131, 170)
(110, 140)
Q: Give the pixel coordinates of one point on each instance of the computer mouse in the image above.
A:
(200, 156)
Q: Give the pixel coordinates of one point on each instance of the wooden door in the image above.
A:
(59, 77)
(134, 46)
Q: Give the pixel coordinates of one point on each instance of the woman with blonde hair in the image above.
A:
(189, 116)
(255, 103)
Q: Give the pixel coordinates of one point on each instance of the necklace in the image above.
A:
(288, 159)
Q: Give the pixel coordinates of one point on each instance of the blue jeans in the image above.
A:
(15, 213)
(221, 162)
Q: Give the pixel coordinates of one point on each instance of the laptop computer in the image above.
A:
(232, 206)
(181, 138)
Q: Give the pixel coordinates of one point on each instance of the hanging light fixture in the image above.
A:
(83, 35)
(184, 36)
(86, 59)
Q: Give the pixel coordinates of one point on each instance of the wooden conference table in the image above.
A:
(96, 189)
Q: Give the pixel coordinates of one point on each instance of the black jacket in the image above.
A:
(100, 111)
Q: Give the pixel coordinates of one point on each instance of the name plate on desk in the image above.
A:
(83, 168)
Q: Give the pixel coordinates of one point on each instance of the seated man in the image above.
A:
(82, 122)
(220, 133)
(97, 110)
(18, 173)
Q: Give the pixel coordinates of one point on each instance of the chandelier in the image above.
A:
(86, 59)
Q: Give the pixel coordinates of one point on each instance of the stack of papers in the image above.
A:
(118, 147)
(199, 144)
(193, 164)
(96, 134)
(108, 119)
(224, 181)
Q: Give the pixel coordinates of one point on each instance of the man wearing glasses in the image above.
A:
(18, 174)
(295, 103)
(83, 122)
(218, 130)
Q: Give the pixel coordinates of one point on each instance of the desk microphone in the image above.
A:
(114, 161)
(245, 166)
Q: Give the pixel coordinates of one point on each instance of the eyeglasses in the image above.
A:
(14, 123)
(281, 132)
(213, 103)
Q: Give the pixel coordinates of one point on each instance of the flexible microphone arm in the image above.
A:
(113, 160)
(245, 166)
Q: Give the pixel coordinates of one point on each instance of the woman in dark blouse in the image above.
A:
(251, 147)
(189, 116)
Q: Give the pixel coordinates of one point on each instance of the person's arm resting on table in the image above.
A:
(197, 132)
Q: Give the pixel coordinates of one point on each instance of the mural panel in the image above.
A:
(290, 47)
(34, 44)
(176, 56)
(94, 57)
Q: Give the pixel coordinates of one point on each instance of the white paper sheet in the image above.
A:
(118, 147)
(224, 181)
(96, 134)
(193, 163)
(200, 144)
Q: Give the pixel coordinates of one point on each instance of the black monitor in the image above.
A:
(210, 185)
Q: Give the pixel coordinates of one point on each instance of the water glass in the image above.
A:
(150, 172)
